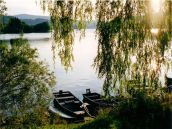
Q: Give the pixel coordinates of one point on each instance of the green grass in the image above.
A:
(60, 126)
(57, 126)
(103, 121)
(143, 112)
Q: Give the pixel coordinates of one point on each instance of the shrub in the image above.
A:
(143, 111)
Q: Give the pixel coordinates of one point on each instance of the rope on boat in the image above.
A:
(84, 105)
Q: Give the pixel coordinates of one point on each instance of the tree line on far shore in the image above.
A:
(15, 25)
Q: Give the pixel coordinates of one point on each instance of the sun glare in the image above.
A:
(156, 5)
(154, 31)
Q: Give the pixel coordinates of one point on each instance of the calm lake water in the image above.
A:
(83, 75)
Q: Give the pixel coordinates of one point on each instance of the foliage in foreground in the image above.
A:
(145, 111)
(139, 111)
(24, 82)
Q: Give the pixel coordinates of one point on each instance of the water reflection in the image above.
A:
(31, 36)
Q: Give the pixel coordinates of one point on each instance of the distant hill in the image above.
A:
(34, 21)
(33, 17)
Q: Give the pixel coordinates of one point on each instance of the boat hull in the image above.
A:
(67, 103)
(95, 102)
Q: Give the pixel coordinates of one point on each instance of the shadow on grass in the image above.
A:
(99, 123)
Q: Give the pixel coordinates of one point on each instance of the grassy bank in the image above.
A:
(139, 111)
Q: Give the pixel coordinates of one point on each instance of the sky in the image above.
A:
(24, 7)
(33, 7)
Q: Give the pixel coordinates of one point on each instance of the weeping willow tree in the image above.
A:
(124, 32)
(3, 9)
(64, 16)
(127, 48)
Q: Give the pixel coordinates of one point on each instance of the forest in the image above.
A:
(15, 26)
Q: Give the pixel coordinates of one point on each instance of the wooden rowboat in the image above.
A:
(95, 102)
(67, 103)
(95, 99)
(169, 84)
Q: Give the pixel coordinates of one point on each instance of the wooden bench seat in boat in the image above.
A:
(69, 101)
(79, 112)
(67, 97)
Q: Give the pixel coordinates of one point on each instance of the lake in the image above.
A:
(82, 75)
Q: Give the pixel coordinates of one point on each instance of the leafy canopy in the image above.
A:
(24, 80)
(3, 9)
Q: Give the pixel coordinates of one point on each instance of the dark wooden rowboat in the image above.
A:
(168, 81)
(95, 99)
(169, 84)
(66, 102)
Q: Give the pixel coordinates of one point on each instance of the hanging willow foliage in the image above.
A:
(124, 31)
(64, 16)
(127, 49)
(3, 9)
